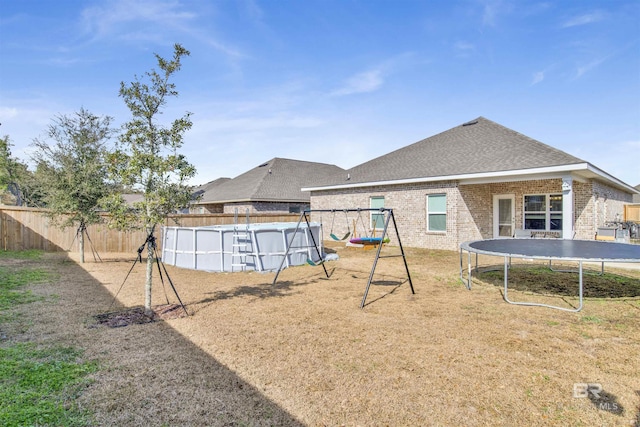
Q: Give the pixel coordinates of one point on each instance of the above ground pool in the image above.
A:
(245, 247)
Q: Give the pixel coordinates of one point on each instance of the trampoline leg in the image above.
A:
(466, 282)
(580, 285)
(506, 278)
(469, 271)
(461, 267)
(537, 304)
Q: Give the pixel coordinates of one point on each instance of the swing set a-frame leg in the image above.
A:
(375, 261)
(304, 216)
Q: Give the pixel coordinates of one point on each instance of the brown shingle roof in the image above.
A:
(276, 180)
(202, 189)
(478, 146)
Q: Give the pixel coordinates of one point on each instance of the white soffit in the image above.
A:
(579, 171)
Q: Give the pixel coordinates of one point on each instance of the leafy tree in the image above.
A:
(71, 165)
(147, 157)
(17, 179)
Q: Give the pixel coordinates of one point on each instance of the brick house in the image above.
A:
(271, 187)
(478, 180)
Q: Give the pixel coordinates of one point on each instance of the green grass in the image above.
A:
(28, 254)
(38, 386)
(11, 282)
(591, 319)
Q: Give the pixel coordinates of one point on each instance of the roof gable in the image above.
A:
(478, 146)
(201, 190)
(276, 180)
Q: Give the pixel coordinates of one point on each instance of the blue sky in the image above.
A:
(334, 81)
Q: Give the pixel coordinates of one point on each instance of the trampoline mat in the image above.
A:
(587, 250)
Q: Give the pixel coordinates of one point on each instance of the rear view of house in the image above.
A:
(479, 180)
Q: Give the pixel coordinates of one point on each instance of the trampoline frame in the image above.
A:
(468, 247)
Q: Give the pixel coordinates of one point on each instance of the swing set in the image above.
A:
(388, 218)
(333, 236)
(366, 240)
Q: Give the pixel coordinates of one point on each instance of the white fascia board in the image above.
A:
(219, 202)
(472, 178)
(613, 179)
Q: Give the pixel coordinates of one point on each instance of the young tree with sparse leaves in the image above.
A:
(147, 157)
(71, 168)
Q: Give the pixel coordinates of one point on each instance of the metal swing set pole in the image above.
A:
(390, 216)
(304, 216)
(375, 261)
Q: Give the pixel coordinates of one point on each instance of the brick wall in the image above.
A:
(265, 207)
(469, 209)
(609, 203)
(583, 209)
(409, 206)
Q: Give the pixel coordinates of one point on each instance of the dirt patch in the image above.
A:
(302, 352)
(542, 280)
(139, 316)
(118, 319)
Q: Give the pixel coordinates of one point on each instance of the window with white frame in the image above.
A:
(543, 212)
(437, 212)
(376, 218)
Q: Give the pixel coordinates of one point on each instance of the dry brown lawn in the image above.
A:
(302, 352)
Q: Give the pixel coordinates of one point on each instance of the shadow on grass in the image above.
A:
(606, 401)
(258, 291)
(394, 283)
(264, 290)
(151, 375)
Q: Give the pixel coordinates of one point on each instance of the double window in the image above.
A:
(543, 212)
(437, 212)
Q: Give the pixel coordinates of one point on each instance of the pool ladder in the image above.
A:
(241, 240)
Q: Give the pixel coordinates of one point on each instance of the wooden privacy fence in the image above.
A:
(28, 228)
(632, 212)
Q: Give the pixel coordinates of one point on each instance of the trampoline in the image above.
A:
(579, 251)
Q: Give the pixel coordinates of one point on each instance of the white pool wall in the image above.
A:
(211, 248)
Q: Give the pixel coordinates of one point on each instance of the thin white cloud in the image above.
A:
(464, 46)
(105, 20)
(248, 124)
(584, 69)
(463, 49)
(368, 81)
(253, 10)
(537, 77)
(147, 20)
(491, 9)
(587, 18)
(8, 112)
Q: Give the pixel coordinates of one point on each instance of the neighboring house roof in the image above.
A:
(202, 189)
(132, 198)
(278, 180)
(476, 150)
